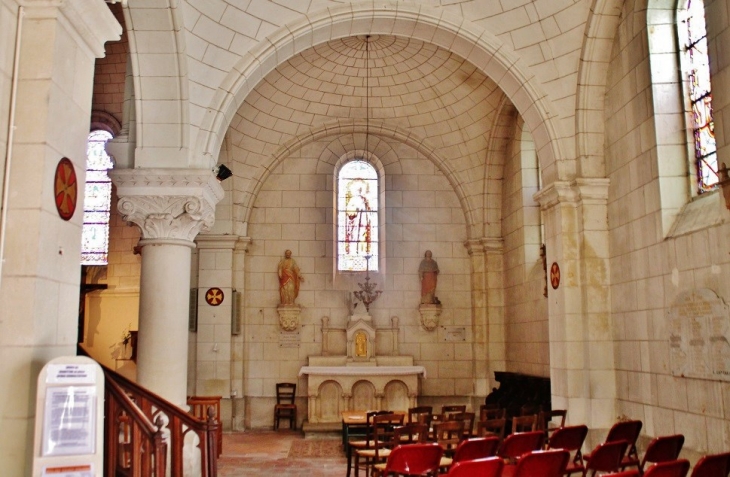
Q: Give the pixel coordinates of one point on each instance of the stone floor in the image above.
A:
(266, 453)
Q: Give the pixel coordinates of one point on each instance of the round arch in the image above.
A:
(424, 23)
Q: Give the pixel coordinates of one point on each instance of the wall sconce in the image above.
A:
(222, 172)
(724, 183)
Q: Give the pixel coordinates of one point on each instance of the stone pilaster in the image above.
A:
(581, 346)
(170, 207)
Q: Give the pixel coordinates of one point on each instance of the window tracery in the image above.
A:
(357, 217)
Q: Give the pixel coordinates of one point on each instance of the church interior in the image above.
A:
(388, 203)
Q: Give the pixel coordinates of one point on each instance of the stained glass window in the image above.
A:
(700, 92)
(357, 217)
(97, 200)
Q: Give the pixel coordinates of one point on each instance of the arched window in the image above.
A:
(693, 36)
(97, 200)
(357, 217)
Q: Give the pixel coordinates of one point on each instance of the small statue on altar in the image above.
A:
(289, 279)
(428, 273)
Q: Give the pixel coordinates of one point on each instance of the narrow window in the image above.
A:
(700, 93)
(97, 200)
(357, 217)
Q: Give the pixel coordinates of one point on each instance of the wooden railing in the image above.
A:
(135, 447)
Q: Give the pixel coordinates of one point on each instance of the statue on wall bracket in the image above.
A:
(290, 278)
(430, 307)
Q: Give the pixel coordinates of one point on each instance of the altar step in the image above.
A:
(322, 430)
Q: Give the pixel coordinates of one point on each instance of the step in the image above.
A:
(322, 430)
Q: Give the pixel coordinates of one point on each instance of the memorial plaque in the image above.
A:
(699, 336)
(453, 333)
(289, 339)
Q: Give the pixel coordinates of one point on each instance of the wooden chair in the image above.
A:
(414, 413)
(491, 427)
(384, 426)
(628, 431)
(468, 418)
(716, 465)
(413, 459)
(606, 457)
(526, 423)
(285, 408)
(200, 407)
(366, 443)
(570, 438)
(448, 435)
(411, 433)
(545, 420)
(545, 463)
(662, 449)
(489, 467)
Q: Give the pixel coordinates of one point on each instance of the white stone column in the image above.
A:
(170, 206)
(582, 367)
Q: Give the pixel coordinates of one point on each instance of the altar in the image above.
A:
(360, 380)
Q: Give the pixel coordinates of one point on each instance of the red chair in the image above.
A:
(627, 431)
(547, 463)
(515, 445)
(606, 457)
(571, 439)
(672, 468)
(717, 465)
(472, 449)
(411, 459)
(489, 467)
(662, 449)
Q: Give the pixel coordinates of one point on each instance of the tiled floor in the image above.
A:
(265, 453)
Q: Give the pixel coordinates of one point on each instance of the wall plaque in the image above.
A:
(453, 333)
(699, 335)
(289, 339)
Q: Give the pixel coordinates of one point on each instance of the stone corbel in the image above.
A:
(430, 316)
(289, 316)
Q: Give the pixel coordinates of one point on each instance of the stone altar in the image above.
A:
(359, 380)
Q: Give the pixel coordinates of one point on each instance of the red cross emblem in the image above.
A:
(555, 275)
(214, 296)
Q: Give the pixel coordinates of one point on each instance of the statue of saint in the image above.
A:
(361, 345)
(428, 272)
(289, 279)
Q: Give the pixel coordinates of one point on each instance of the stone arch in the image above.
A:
(395, 396)
(592, 77)
(363, 396)
(377, 130)
(330, 393)
(471, 42)
(157, 54)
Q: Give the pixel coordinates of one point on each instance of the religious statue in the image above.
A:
(289, 279)
(428, 272)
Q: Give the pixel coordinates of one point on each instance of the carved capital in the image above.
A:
(167, 203)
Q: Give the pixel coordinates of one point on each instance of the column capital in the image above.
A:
(217, 241)
(581, 190)
(167, 203)
(484, 245)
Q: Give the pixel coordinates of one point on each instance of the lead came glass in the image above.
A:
(357, 217)
(97, 200)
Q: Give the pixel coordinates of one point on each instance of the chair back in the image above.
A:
(410, 433)
(476, 448)
(285, 393)
(468, 418)
(491, 427)
(546, 463)
(453, 408)
(570, 438)
(545, 420)
(524, 423)
(606, 457)
(384, 426)
(628, 431)
(671, 468)
(488, 467)
(486, 413)
(414, 413)
(416, 459)
(448, 435)
(716, 465)
(369, 433)
(662, 449)
(515, 445)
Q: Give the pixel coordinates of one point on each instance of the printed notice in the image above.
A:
(86, 470)
(71, 374)
(69, 421)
